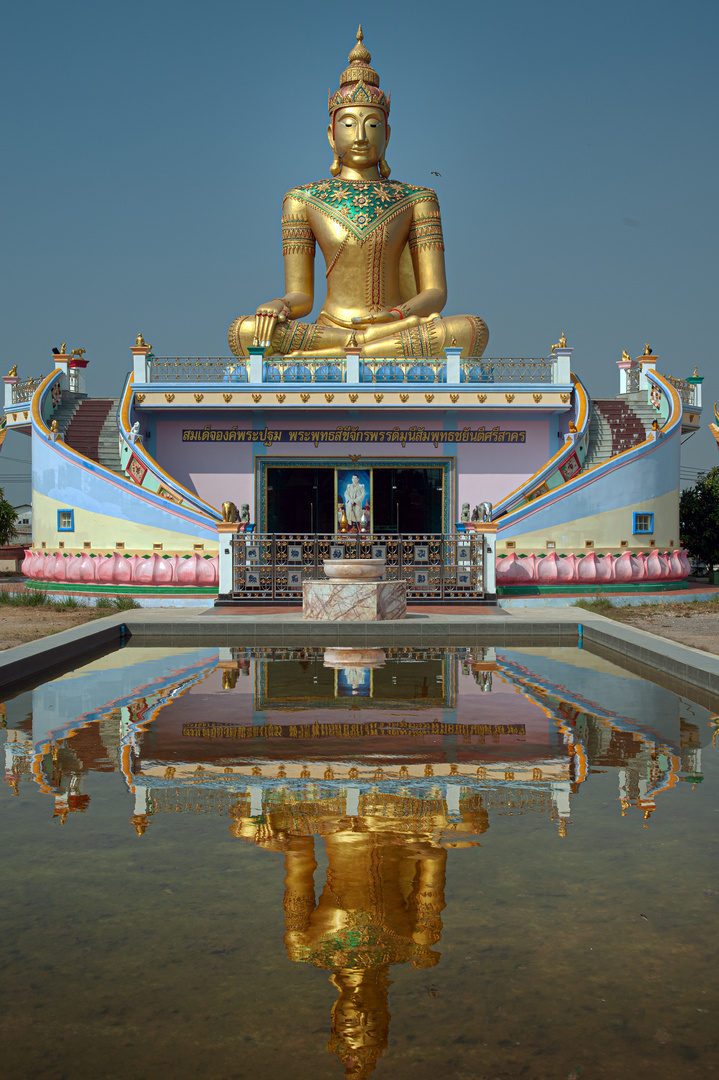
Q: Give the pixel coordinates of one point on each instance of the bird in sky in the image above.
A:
(436, 173)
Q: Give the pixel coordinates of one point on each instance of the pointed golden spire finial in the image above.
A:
(360, 54)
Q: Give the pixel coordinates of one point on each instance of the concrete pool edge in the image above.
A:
(550, 627)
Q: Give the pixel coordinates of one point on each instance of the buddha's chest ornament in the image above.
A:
(360, 207)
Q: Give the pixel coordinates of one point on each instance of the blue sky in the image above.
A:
(148, 146)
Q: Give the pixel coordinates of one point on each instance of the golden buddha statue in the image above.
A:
(381, 241)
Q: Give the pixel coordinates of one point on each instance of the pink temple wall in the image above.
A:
(490, 471)
(219, 471)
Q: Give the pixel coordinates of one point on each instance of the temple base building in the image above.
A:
(128, 492)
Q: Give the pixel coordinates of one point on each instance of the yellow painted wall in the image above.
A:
(103, 532)
(606, 529)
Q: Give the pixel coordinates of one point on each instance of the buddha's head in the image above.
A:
(358, 137)
(358, 130)
(360, 1019)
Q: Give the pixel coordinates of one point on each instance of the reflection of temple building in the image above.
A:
(453, 730)
(439, 743)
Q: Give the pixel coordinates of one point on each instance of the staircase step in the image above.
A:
(83, 431)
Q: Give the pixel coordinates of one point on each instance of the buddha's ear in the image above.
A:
(389, 132)
(330, 138)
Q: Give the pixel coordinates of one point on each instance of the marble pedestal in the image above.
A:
(354, 601)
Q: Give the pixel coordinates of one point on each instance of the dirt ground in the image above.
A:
(695, 624)
(19, 625)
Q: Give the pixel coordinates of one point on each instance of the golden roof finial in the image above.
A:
(139, 341)
(647, 350)
(53, 426)
(63, 348)
(626, 356)
(13, 371)
(695, 372)
(561, 344)
(360, 54)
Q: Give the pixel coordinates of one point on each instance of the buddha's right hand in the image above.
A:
(267, 317)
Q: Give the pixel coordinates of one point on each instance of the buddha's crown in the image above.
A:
(359, 83)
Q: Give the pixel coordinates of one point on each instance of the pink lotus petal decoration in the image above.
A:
(592, 569)
(117, 569)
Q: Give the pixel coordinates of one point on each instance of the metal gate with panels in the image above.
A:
(438, 567)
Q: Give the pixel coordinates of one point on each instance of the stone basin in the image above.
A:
(354, 570)
(340, 659)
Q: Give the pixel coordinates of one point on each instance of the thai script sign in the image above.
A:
(349, 434)
(211, 730)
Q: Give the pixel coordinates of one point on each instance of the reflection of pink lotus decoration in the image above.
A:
(592, 569)
(117, 569)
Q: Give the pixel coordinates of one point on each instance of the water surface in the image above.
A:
(426, 863)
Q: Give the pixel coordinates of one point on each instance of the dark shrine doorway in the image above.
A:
(407, 500)
(300, 500)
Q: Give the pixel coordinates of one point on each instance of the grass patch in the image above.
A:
(600, 606)
(116, 603)
(101, 607)
(626, 612)
(22, 599)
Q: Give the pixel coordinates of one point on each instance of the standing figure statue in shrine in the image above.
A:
(382, 245)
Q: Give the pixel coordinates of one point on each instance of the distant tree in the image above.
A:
(8, 517)
(699, 518)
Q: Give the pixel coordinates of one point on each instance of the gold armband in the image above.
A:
(297, 236)
(426, 232)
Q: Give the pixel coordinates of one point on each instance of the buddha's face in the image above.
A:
(360, 136)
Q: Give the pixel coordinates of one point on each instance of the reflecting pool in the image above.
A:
(309, 863)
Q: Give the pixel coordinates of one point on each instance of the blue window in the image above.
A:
(642, 523)
(66, 521)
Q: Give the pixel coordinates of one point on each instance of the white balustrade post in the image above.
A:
(140, 351)
(489, 556)
(451, 795)
(10, 381)
(563, 366)
(696, 381)
(625, 366)
(225, 530)
(257, 356)
(62, 363)
(352, 364)
(77, 374)
(647, 363)
(453, 366)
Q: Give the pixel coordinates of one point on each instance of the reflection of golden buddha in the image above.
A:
(381, 241)
(380, 905)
